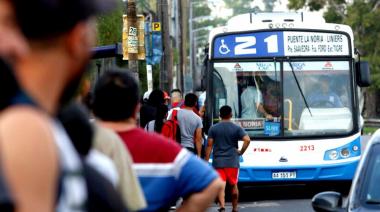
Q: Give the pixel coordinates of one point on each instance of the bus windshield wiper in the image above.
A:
(372, 202)
(298, 85)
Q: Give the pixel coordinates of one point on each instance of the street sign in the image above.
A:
(153, 44)
(133, 38)
(156, 26)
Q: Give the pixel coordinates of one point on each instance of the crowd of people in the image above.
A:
(55, 158)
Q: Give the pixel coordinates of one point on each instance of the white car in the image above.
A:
(365, 189)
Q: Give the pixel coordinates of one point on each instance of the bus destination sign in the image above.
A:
(281, 43)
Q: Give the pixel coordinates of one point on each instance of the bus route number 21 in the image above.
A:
(247, 45)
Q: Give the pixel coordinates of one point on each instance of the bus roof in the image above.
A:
(275, 17)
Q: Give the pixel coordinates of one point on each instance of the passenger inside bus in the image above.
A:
(272, 99)
(324, 97)
(252, 101)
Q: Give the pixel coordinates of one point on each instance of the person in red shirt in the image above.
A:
(165, 170)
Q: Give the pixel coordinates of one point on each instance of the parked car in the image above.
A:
(365, 189)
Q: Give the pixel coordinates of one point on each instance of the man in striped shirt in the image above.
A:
(165, 170)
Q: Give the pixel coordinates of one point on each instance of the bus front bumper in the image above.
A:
(330, 172)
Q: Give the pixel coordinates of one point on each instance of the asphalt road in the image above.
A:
(292, 198)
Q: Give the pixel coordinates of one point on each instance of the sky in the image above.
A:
(219, 10)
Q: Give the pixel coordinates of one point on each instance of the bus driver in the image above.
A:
(324, 97)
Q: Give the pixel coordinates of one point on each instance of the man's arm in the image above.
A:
(210, 143)
(246, 141)
(29, 159)
(338, 101)
(201, 201)
(198, 141)
(261, 109)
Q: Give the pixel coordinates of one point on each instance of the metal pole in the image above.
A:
(168, 56)
(149, 77)
(191, 37)
(181, 45)
(133, 63)
(177, 39)
(166, 66)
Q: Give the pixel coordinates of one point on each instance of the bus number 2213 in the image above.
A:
(306, 148)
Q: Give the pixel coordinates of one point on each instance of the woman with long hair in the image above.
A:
(156, 124)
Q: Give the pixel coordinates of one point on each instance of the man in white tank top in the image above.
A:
(43, 170)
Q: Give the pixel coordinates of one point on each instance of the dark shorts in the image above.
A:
(192, 150)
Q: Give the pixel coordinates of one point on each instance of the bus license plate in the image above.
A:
(284, 175)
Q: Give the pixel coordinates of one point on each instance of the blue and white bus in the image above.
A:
(292, 81)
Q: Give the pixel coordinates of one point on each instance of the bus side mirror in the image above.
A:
(363, 76)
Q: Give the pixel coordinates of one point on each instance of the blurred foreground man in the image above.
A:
(166, 171)
(40, 164)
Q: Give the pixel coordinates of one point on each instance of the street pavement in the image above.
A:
(300, 205)
(292, 198)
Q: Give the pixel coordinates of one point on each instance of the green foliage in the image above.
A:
(244, 6)
(239, 6)
(110, 26)
(175, 56)
(316, 5)
(369, 130)
(201, 36)
(296, 4)
(332, 16)
(269, 4)
(201, 9)
(143, 77)
(362, 16)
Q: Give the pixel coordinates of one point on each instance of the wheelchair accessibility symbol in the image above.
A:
(223, 49)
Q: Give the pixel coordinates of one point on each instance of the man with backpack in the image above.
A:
(224, 137)
(190, 125)
(170, 127)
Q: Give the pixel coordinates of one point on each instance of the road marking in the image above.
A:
(260, 205)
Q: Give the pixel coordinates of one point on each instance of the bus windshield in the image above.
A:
(285, 98)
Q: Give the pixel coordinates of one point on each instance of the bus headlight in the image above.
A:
(345, 152)
(333, 155)
(355, 148)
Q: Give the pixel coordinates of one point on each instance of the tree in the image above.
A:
(269, 5)
(362, 16)
(110, 26)
(239, 6)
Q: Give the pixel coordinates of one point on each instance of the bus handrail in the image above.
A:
(290, 114)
